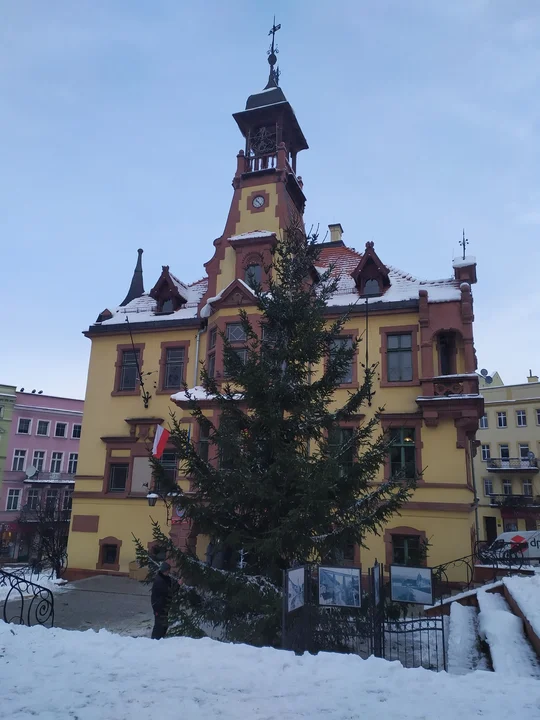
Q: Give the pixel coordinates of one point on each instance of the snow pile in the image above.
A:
(43, 579)
(99, 675)
(463, 653)
(526, 592)
(510, 651)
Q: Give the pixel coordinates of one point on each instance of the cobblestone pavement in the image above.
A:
(118, 604)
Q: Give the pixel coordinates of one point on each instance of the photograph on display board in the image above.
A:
(339, 587)
(295, 588)
(411, 584)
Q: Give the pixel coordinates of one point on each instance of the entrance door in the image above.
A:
(490, 527)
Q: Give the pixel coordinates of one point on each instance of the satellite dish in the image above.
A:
(483, 372)
(31, 471)
(488, 379)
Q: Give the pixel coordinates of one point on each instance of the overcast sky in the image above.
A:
(422, 118)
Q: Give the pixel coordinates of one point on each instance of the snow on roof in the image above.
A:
(143, 309)
(252, 235)
(207, 309)
(464, 262)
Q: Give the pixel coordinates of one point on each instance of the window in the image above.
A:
(174, 368)
(60, 430)
(399, 352)
(447, 353)
(213, 338)
(32, 501)
(339, 438)
(19, 457)
(211, 369)
(167, 306)
(527, 488)
(118, 474)
(372, 287)
(38, 459)
(67, 501)
(76, 431)
(524, 451)
(43, 428)
(13, 499)
(345, 343)
(538, 416)
(129, 374)
(253, 275)
(407, 550)
(242, 354)
(484, 422)
(169, 462)
(507, 487)
(56, 462)
(521, 418)
(72, 463)
(109, 554)
(510, 526)
(23, 428)
(51, 500)
(204, 443)
(486, 452)
(1, 411)
(403, 452)
(501, 420)
(504, 452)
(236, 333)
(488, 487)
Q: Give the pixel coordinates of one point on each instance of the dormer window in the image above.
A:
(372, 287)
(167, 293)
(253, 275)
(167, 306)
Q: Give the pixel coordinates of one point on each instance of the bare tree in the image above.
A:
(47, 522)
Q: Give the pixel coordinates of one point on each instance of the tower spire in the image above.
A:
(273, 78)
(136, 289)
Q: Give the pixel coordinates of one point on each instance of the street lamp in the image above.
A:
(152, 499)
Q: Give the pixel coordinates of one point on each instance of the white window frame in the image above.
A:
(25, 457)
(10, 494)
(521, 414)
(70, 460)
(487, 481)
(48, 428)
(74, 425)
(486, 456)
(482, 425)
(501, 414)
(44, 459)
(57, 452)
(527, 481)
(505, 483)
(68, 494)
(29, 426)
(61, 437)
(538, 416)
(35, 491)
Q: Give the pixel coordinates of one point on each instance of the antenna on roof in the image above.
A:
(463, 243)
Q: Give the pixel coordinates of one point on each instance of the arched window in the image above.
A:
(253, 274)
(447, 353)
(372, 287)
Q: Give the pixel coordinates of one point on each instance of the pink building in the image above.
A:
(42, 456)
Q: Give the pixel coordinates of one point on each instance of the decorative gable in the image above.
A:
(371, 276)
(169, 293)
(235, 295)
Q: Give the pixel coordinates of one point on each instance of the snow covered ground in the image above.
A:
(464, 655)
(526, 592)
(511, 652)
(43, 579)
(62, 675)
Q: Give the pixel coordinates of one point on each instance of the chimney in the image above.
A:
(532, 378)
(336, 231)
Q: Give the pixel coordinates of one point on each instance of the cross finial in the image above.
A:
(463, 243)
(273, 79)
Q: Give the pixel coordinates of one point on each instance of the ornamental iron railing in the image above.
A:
(26, 602)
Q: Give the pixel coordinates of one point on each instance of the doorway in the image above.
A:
(490, 528)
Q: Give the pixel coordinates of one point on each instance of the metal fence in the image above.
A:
(24, 602)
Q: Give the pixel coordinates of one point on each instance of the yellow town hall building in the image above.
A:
(420, 333)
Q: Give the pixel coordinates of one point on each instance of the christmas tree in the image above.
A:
(287, 475)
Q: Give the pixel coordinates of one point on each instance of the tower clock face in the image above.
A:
(258, 201)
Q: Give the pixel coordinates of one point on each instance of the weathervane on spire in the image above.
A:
(463, 243)
(273, 80)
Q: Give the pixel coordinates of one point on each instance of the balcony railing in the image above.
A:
(514, 501)
(506, 464)
(50, 478)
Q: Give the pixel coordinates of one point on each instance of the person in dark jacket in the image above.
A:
(161, 601)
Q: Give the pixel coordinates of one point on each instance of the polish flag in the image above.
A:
(160, 440)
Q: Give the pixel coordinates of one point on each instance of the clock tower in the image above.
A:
(268, 194)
